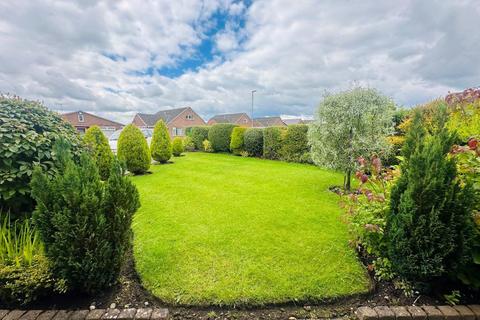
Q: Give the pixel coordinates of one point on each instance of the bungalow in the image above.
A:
(83, 120)
(177, 120)
(242, 119)
(269, 122)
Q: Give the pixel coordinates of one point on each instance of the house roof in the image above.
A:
(269, 121)
(292, 121)
(166, 115)
(89, 120)
(227, 118)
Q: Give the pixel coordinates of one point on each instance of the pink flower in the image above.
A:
(364, 178)
(472, 143)
(361, 161)
(377, 164)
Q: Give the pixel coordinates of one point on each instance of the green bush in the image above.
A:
(295, 144)
(430, 227)
(188, 144)
(253, 140)
(207, 146)
(97, 144)
(219, 136)
(272, 142)
(84, 223)
(161, 146)
(177, 146)
(236, 143)
(28, 131)
(198, 135)
(133, 150)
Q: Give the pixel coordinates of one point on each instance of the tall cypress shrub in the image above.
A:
(97, 144)
(272, 142)
(253, 141)
(133, 150)
(198, 135)
(295, 144)
(236, 143)
(161, 146)
(220, 135)
(430, 227)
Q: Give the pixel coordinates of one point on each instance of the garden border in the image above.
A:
(459, 312)
(95, 314)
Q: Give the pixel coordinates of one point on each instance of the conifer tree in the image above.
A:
(161, 147)
(98, 146)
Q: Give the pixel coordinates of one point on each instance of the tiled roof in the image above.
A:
(269, 121)
(227, 118)
(292, 121)
(89, 120)
(165, 115)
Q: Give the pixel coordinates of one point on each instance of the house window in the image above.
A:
(245, 120)
(80, 117)
(189, 117)
(177, 131)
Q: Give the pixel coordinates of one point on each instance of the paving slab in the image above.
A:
(401, 313)
(143, 313)
(475, 309)
(31, 314)
(62, 315)
(449, 313)
(14, 315)
(366, 313)
(47, 315)
(78, 315)
(127, 314)
(417, 313)
(465, 312)
(384, 313)
(111, 314)
(3, 313)
(433, 313)
(159, 314)
(95, 314)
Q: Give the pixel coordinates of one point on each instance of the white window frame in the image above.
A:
(81, 118)
(189, 117)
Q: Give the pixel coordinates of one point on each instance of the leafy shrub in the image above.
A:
(219, 136)
(133, 150)
(207, 146)
(84, 222)
(295, 144)
(198, 135)
(236, 143)
(188, 144)
(177, 146)
(429, 228)
(161, 147)
(97, 143)
(464, 118)
(28, 131)
(253, 140)
(272, 142)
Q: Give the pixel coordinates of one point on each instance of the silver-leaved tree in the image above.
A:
(349, 125)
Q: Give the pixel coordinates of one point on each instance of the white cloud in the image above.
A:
(291, 52)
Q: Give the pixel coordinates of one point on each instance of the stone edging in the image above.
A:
(95, 314)
(470, 312)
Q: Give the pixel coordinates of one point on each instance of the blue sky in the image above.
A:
(119, 57)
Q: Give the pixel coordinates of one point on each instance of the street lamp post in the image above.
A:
(253, 91)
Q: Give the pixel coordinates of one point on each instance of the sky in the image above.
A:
(116, 58)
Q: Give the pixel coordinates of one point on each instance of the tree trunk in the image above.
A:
(347, 180)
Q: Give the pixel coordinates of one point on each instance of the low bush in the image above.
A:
(272, 142)
(133, 150)
(198, 135)
(28, 131)
(177, 146)
(295, 144)
(236, 143)
(188, 144)
(84, 222)
(97, 143)
(161, 146)
(207, 146)
(253, 141)
(219, 136)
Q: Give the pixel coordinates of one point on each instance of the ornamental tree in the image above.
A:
(349, 125)
(177, 147)
(133, 150)
(97, 144)
(161, 147)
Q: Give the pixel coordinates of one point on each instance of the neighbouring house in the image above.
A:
(269, 122)
(242, 119)
(289, 122)
(83, 120)
(177, 120)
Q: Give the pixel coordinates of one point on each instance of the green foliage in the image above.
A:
(188, 144)
(28, 131)
(253, 141)
(219, 136)
(84, 222)
(207, 146)
(177, 146)
(133, 150)
(295, 144)
(272, 142)
(236, 143)
(161, 146)
(198, 135)
(349, 125)
(97, 144)
(465, 120)
(430, 227)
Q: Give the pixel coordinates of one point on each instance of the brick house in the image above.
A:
(241, 119)
(83, 120)
(177, 120)
(269, 122)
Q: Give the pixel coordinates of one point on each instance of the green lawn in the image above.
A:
(217, 229)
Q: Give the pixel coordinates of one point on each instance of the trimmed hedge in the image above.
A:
(198, 135)
(295, 145)
(272, 142)
(219, 136)
(177, 146)
(97, 144)
(161, 147)
(253, 140)
(133, 150)
(236, 143)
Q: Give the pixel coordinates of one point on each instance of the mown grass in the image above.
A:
(217, 229)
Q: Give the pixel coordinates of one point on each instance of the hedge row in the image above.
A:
(276, 143)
